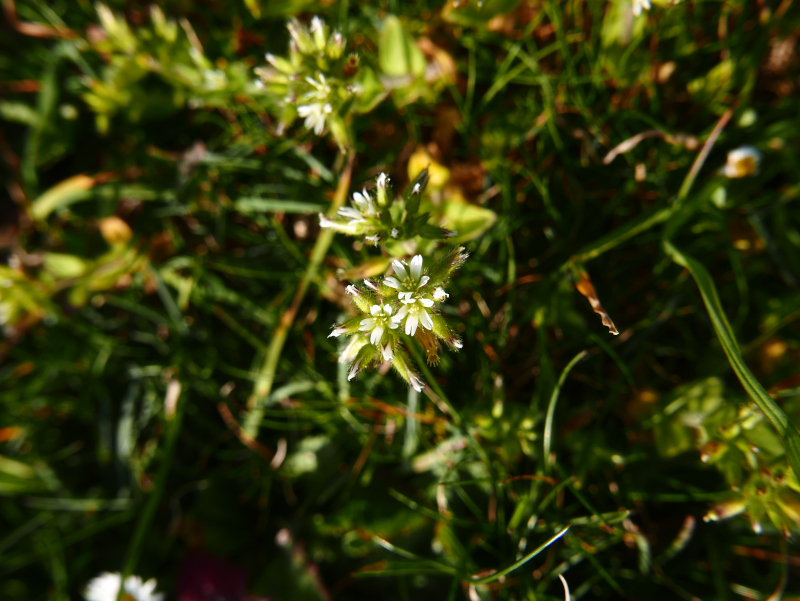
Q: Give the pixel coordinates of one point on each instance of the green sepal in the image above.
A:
(402, 365)
(443, 331)
(441, 269)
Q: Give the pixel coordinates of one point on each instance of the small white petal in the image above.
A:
(458, 344)
(416, 189)
(349, 212)
(387, 352)
(336, 332)
(400, 270)
(394, 323)
(416, 267)
(426, 302)
(352, 290)
(425, 320)
(411, 325)
(375, 336)
(402, 313)
(415, 382)
(425, 279)
(382, 179)
(367, 324)
(440, 294)
(395, 232)
(387, 309)
(392, 282)
(375, 309)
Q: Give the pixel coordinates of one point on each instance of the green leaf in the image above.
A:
(64, 266)
(469, 221)
(273, 205)
(398, 55)
(70, 190)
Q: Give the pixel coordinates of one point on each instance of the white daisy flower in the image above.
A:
(380, 321)
(639, 5)
(315, 115)
(407, 280)
(106, 588)
(742, 162)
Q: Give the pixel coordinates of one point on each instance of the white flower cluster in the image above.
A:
(404, 302)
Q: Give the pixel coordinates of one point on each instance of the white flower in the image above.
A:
(395, 232)
(374, 239)
(440, 294)
(363, 202)
(410, 280)
(377, 324)
(315, 115)
(742, 162)
(638, 5)
(106, 588)
(413, 311)
(363, 208)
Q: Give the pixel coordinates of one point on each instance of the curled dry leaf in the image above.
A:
(585, 287)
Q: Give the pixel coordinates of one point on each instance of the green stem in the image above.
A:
(266, 377)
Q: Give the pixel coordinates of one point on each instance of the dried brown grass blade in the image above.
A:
(585, 287)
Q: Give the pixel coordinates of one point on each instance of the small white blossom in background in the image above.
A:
(315, 81)
(106, 588)
(639, 5)
(742, 162)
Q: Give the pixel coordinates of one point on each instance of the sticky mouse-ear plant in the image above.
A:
(406, 302)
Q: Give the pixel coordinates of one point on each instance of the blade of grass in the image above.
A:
(551, 408)
(521, 562)
(754, 389)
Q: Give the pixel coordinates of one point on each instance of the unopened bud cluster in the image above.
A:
(380, 218)
(315, 81)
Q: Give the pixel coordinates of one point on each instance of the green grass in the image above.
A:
(545, 447)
